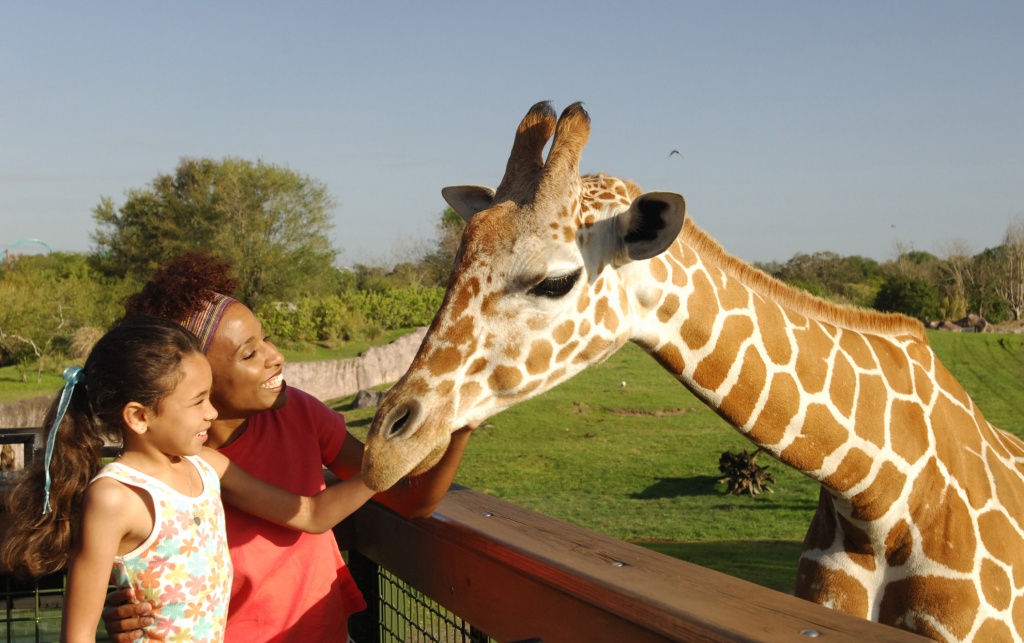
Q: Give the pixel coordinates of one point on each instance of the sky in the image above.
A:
(860, 128)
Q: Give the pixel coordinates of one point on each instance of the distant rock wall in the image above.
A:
(324, 380)
(338, 378)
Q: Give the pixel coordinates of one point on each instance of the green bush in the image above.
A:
(351, 315)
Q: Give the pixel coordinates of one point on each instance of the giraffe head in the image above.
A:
(541, 289)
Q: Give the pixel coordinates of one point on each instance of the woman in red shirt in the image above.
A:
(288, 586)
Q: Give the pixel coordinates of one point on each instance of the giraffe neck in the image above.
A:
(805, 380)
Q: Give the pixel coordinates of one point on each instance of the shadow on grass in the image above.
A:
(679, 487)
(769, 563)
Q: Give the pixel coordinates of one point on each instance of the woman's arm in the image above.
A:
(315, 514)
(414, 496)
(104, 524)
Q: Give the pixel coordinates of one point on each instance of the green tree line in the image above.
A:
(272, 224)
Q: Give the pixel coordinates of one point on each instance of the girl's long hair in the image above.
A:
(138, 360)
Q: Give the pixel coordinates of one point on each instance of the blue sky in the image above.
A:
(803, 126)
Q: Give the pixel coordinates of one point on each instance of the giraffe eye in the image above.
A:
(556, 287)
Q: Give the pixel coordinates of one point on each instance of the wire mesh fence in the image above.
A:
(399, 613)
(32, 609)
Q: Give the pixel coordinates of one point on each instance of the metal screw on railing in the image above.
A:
(810, 633)
(618, 563)
(486, 514)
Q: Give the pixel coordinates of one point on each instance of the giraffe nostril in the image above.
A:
(398, 425)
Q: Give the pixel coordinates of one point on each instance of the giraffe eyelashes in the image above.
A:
(556, 287)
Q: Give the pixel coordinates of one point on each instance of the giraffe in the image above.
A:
(920, 520)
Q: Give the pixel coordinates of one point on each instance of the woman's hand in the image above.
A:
(124, 620)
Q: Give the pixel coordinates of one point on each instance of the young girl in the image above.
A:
(155, 513)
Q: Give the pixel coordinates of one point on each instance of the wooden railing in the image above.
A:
(518, 575)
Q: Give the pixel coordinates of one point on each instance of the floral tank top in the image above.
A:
(184, 564)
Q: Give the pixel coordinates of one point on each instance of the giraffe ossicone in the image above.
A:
(920, 522)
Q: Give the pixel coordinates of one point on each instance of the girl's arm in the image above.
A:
(315, 514)
(104, 524)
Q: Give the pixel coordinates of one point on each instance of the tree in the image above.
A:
(44, 300)
(956, 278)
(1009, 282)
(851, 279)
(914, 296)
(440, 262)
(269, 222)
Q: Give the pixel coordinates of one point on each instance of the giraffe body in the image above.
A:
(919, 523)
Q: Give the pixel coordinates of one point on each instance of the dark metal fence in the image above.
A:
(31, 608)
(398, 612)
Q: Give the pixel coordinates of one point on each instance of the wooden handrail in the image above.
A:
(517, 574)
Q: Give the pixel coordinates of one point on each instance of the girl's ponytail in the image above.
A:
(39, 543)
(139, 360)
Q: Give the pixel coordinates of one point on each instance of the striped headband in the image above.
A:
(203, 323)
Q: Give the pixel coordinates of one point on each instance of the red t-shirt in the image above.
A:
(288, 585)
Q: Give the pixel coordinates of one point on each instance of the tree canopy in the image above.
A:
(270, 222)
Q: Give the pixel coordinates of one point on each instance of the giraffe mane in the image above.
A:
(800, 301)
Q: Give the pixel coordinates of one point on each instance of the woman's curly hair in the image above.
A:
(182, 287)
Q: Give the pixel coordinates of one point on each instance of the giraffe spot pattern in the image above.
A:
(899, 544)
(596, 347)
(1002, 539)
(856, 545)
(469, 393)
(658, 270)
(836, 589)
(872, 503)
(872, 401)
(995, 584)
(444, 360)
(909, 434)
(853, 468)
(840, 391)
(931, 595)
(539, 359)
(772, 422)
(566, 351)
(740, 402)
(940, 512)
(700, 319)
(669, 307)
(713, 369)
(923, 388)
(811, 366)
(856, 348)
(894, 364)
(563, 332)
(820, 437)
(772, 327)
(670, 359)
(504, 378)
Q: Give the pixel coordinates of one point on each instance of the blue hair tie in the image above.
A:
(72, 375)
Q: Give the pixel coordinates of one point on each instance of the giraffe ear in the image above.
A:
(651, 224)
(467, 200)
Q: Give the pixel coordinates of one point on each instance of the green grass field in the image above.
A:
(640, 462)
(12, 387)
